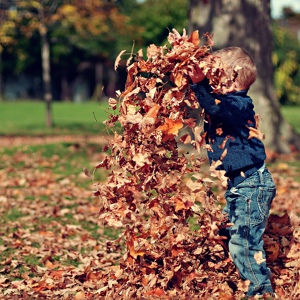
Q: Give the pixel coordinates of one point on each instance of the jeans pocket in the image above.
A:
(260, 205)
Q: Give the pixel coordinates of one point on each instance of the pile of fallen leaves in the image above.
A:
(158, 197)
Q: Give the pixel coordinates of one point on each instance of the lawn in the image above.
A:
(28, 118)
(291, 114)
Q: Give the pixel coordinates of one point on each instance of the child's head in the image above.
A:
(237, 59)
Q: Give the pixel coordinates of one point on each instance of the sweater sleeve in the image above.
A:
(233, 107)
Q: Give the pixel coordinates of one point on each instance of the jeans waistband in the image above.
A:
(235, 177)
(262, 168)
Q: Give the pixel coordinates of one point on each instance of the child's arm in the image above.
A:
(233, 109)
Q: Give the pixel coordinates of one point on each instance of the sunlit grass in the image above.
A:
(29, 118)
(292, 115)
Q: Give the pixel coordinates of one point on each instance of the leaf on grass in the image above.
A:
(157, 292)
(272, 251)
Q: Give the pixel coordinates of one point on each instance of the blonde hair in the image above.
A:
(239, 64)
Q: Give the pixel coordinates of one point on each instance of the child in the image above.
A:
(229, 118)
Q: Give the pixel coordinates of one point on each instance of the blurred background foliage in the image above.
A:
(84, 38)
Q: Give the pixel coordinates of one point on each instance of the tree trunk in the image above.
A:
(111, 87)
(248, 24)
(45, 53)
(64, 95)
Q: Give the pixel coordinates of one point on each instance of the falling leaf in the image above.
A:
(153, 111)
(194, 38)
(258, 257)
(170, 127)
(118, 59)
(255, 133)
(112, 103)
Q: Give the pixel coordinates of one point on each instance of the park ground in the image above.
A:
(52, 244)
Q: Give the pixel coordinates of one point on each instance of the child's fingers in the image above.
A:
(176, 33)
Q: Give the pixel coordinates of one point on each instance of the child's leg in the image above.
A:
(248, 207)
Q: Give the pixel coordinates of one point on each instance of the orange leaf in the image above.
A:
(80, 296)
(46, 233)
(156, 292)
(175, 251)
(194, 38)
(57, 274)
(130, 246)
(42, 286)
(153, 111)
(170, 127)
(255, 133)
(51, 265)
(180, 79)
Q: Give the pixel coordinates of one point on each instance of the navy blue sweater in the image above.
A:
(228, 119)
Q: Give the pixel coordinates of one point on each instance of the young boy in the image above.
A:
(229, 118)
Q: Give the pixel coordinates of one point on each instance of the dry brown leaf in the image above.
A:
(118, 59)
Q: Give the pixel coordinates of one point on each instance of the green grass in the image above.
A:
(291, 114)
(28, 118)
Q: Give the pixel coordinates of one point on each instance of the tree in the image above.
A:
(286, 59)
(29, 18)
(98, 29)
(248, 24)
(69, 32)
(165, 15)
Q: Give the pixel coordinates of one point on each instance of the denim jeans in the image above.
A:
(248, 205)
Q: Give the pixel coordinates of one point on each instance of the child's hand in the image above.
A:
(175, 39)
(196, 74)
